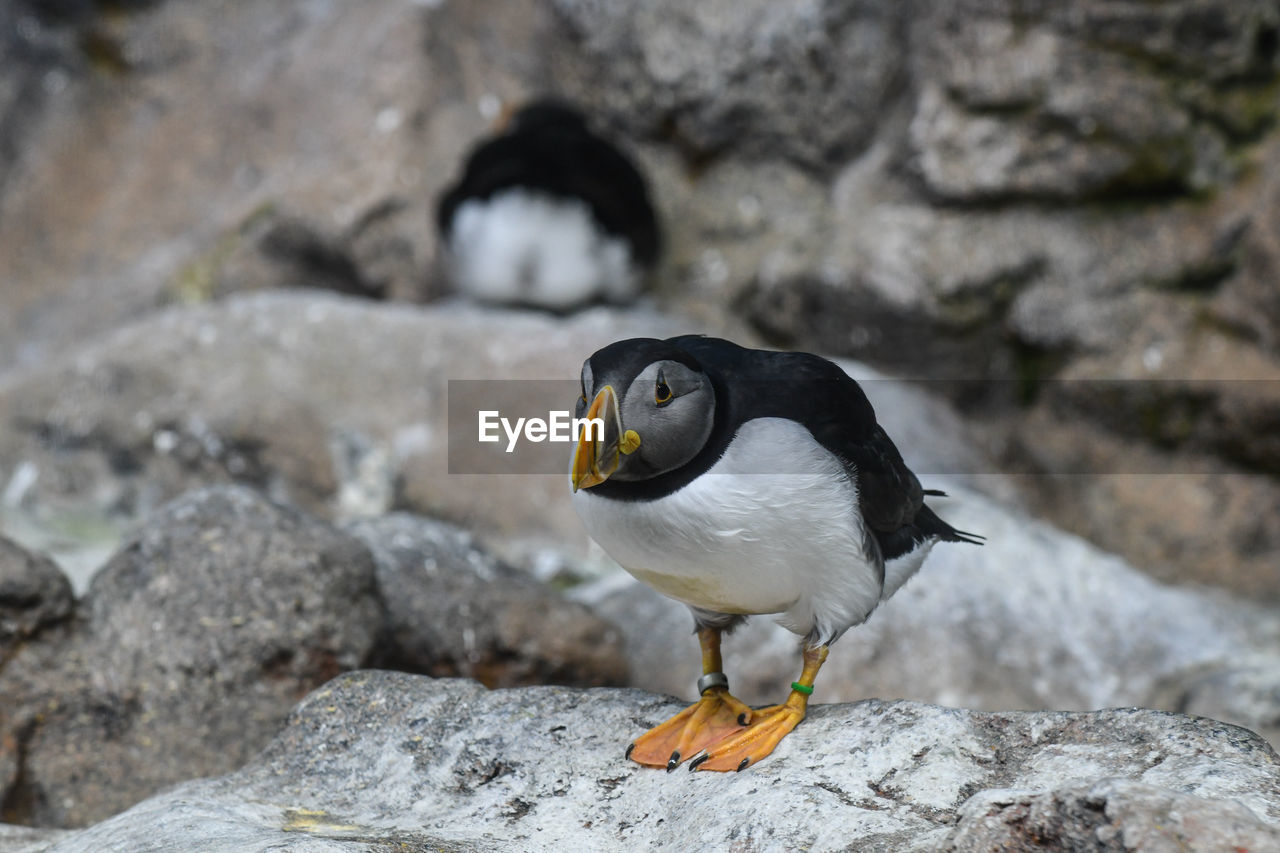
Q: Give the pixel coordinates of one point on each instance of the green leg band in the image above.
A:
(801, 688)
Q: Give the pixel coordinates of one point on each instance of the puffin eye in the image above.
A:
(661, 391)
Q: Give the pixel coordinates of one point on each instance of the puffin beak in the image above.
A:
(597, 454)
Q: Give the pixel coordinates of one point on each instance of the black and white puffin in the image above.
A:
(743, 481)
(547, 213)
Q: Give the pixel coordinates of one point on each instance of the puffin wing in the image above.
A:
(890, 497)
(842, 420)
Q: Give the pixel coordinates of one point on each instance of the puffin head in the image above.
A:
(657, 406)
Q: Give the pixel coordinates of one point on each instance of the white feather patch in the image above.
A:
(900, 569)
(787, 541)
(523, 247)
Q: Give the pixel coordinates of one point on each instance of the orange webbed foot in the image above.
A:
(740, 749)
(713, 718)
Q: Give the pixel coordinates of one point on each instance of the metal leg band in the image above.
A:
(712, 679)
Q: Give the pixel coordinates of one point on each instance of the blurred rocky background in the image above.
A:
(225, 344)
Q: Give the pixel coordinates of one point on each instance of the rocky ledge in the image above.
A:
(223, 611)
(377, 761)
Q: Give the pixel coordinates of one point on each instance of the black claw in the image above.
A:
(674, 761)
(629, 748)
(743, 765)
(742, 718)
(693, 765)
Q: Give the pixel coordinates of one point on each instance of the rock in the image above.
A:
(1246, 690)
(37, 53)
(338, 406)
(1183, 517)
(377, 759)
(187, 653)
(1069, 103)
(1035, 618)
(453, 609)
(1112, 814)
(175, 128)
(26, 839)
(803, 81)
(223, 610)
(33, 593)
(273, 250)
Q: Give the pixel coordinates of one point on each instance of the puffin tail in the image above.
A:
(928, 522)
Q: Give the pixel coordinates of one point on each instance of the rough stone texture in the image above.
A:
(1088, 97)
(1035, 618)
(1247, 691)
(35, 59)
(1199, 522)
(153, 148)
(376, 760)
(25, 839)
(200, 634)
(34, 593)
(1153, 379)
(454, 609)
(335, 405)
(803, 81)
(186, 654)
(1110, 815)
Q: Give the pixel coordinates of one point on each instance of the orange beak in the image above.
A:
(597, 453)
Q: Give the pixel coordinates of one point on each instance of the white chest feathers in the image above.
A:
(526, 248)
(772, 527)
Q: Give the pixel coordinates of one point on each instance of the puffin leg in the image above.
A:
(740, 749)
(715, 716)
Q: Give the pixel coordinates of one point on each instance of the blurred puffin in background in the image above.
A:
(548, 214)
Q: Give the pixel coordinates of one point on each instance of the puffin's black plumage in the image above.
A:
(549, 148)
(798, 386)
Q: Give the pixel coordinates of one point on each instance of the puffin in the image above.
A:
(745, 482)
(548, 214)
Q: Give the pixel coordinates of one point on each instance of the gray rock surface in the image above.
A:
(198, 637)
(26, 839)
(335, 405)
(452, 608)
(804, 81)
(186, 654)
(1087, 98)
(1202, 522)
(174, 126)
(377, 760)
(1035, 618)
(34, 593)
(1111, 815)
